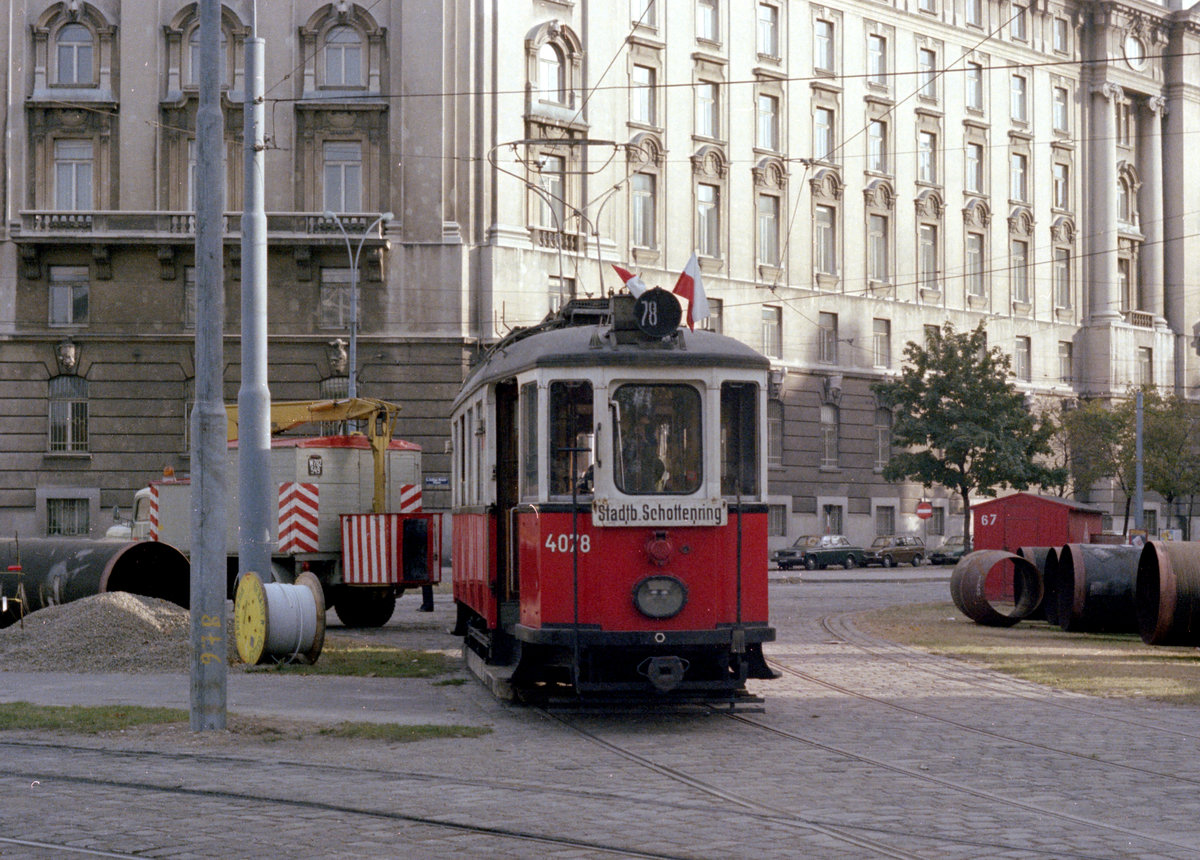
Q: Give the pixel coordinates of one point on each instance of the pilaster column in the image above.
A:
(1104, 299)
(1150, 207)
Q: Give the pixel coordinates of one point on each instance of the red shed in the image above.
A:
(1025, 519)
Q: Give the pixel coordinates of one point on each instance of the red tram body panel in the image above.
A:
(609, 508)
(612, 561)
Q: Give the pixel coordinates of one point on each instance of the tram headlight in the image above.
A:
(660, 596)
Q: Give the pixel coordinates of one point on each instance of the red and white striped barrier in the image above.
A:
(298, 507)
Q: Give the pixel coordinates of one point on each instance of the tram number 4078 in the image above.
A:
(566, 543)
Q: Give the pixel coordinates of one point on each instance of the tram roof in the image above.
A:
(602, 346)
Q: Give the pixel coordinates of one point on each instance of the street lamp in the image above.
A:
(353, 254)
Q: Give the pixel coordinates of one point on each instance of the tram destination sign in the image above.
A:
(660, 512)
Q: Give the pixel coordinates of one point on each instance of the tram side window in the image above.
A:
(658, 437)
(570, 437)
(739, 439)
(529, 441)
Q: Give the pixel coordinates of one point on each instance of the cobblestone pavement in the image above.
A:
(864, 749)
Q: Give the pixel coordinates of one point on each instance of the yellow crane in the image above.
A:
(378, 415)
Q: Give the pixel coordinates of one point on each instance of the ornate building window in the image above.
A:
(827, 338)
(877, 60)
(69, 287)
(927, 157)
(768, 30)
(769, 183)
(643, 103)
(341, 118)
(708, 110)
(68, 414)
(877, 146)
(772, 331)
(1023, 359)
(768, 122)
(1020, 238)
(334, 307)
(342, 175)
(74, 52)
(880, 205)
(1062, 239)
(826, 189)
(929, 250)
(72, 112)
(708, 26)
(73, 171)
(830, 431)
(709, 173)
(343, 57)
(976, 220)
(645, 163)
(973, 75)
(927, 74)
(823, 46)
(881, 343)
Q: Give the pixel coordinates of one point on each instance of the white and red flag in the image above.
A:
(690, 287)
(633, 282)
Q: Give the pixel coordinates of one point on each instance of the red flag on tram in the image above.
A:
(633, 282)
(690, 287)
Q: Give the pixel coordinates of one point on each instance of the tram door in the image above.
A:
(507, 493)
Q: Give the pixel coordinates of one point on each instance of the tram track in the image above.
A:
(972, 675)
(342, 811)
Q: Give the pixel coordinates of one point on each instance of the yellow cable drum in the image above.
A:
(278, 623)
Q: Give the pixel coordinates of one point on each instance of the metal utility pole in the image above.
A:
(209, 646)
(256, 501)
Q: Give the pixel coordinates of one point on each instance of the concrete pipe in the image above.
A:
(40, 572)
(1040, 556)
(1095, 587)
(1167, 595)
(995, 588)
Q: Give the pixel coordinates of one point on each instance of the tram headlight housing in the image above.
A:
(660, 596)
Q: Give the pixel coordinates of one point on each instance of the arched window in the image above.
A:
(1123, 198)
(74, 55)
(551, 74)
(68, 414)
(343, 57)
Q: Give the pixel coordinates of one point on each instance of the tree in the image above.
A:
(962, 423)
(1170, 464)
(1102, 445)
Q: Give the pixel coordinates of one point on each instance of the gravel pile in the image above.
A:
(111, 632)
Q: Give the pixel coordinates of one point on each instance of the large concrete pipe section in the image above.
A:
(1095, 586)
(1167, 595)
(45, 571)
(1040, 556)
(995, 588)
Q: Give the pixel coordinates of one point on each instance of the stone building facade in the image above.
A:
(849, 173)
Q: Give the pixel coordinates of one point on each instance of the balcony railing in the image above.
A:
(1141, 319)
(120, 225)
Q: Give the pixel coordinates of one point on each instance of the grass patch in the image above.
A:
(356, 659)
(396, 733)
(84, 719)
(1116, 665)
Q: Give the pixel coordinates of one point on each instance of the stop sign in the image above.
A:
(924, 510)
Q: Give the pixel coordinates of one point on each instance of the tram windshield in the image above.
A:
(657, 439)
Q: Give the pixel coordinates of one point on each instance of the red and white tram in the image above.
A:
(609, 522)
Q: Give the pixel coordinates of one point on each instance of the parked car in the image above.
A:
(819, 551)
(949, 551)
(891, 550)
